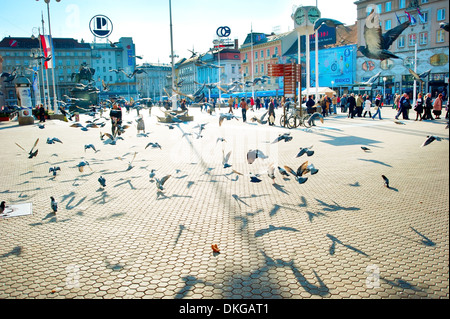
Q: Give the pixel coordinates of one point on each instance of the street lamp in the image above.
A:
(384, 88)
(332, 85)
(174, 96)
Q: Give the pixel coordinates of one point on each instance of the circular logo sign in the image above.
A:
(101, 26)
(223, 32)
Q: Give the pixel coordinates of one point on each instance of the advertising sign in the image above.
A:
(335, 64)
(326, 34)
(101, 26)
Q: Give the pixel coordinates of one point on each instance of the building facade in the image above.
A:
(69, 55)
(151, 84)
(423, 36)
(258, 51)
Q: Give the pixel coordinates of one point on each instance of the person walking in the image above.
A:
(377, 107)
(333, 104)
(344, 102)
(310, 105)
(271, 113)
(437, 106)
(396, 104)
(244, 108)
(230, 105)
(351, 105)
(404, 107)
(419, 106)
(427, 108)
(116, 119)
(367, 105)
(359, 105)
(41, 114)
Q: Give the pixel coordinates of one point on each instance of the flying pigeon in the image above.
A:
(365, 149)
(130, 166)
(53, 140)
(87, 146)
(2, 207)
(302, 170)
(54, 170)
(430, 139)
(312, 169)
(377, 44)
(282, 171)
(82, 164)
(160, 182)
(220, 139)
(254, 178)
(226, 116)
(271, 172)
(261, 119)
(328, 22)
(314, 117)
(31, 154)
(54, 204)
(225, 159)
(252, 155)
(286, 137)
(444, 25)
(305, 150)
(102, 181)
(153, 145)
(386, 181)
(152, 174)
(421, 76)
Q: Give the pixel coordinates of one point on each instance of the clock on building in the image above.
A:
(313, 14)
(299, 17)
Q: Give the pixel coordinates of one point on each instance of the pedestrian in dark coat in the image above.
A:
(42, 114)
(427, 108)
(351, 105)
(419, 107)
(271, 112)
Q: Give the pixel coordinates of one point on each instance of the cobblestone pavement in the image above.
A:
(342, 234)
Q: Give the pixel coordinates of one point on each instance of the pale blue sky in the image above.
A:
(147, 21)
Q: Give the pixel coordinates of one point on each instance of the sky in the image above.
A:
(194, 22)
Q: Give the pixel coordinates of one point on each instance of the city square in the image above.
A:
(239, 167)
(341, 234)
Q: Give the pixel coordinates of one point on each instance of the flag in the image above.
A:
(421, 17)
(47, 46)
(411, 18)
(398, 19)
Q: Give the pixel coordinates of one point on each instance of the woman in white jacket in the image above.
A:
(367, 105)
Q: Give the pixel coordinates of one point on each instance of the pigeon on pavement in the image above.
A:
(305, 150)
(430, 138)
(54, 204)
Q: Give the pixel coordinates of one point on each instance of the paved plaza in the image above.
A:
(340, 235)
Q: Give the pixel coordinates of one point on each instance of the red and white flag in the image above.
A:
(47, 46)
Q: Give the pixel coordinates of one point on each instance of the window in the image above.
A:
(424, 1)
(387, 25)
(68, 62)
(412, 40)
(262, 54)
(256, 68)
(423, 38)
(441, 14)
(401, 41)
(276, 51)
(246, 56)
(268, 52)
(440, 36)
(388, 6)
(379, 8)
(262, 68)
(424, 18)
(256, 55)
(401, 4)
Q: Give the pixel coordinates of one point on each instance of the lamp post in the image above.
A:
(384, 88)
(332, 85)
(174, 96)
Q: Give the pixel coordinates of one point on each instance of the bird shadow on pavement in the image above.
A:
(16, 251)
(335, 241)
(402, 284)
(271, 228)
(280, 188)
(335, 207)
(374, 161)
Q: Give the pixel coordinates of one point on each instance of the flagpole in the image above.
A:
(55, 108)
(43, 65)
(415, 70)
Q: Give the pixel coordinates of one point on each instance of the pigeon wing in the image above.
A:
(164, 179)
(372, 33)
(303, 169)
(390, 36)
(290, 170)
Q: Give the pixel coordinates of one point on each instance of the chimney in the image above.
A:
(236, 44)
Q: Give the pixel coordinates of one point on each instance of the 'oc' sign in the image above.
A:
(223, 32)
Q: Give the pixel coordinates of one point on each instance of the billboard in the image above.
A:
(335, 64)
